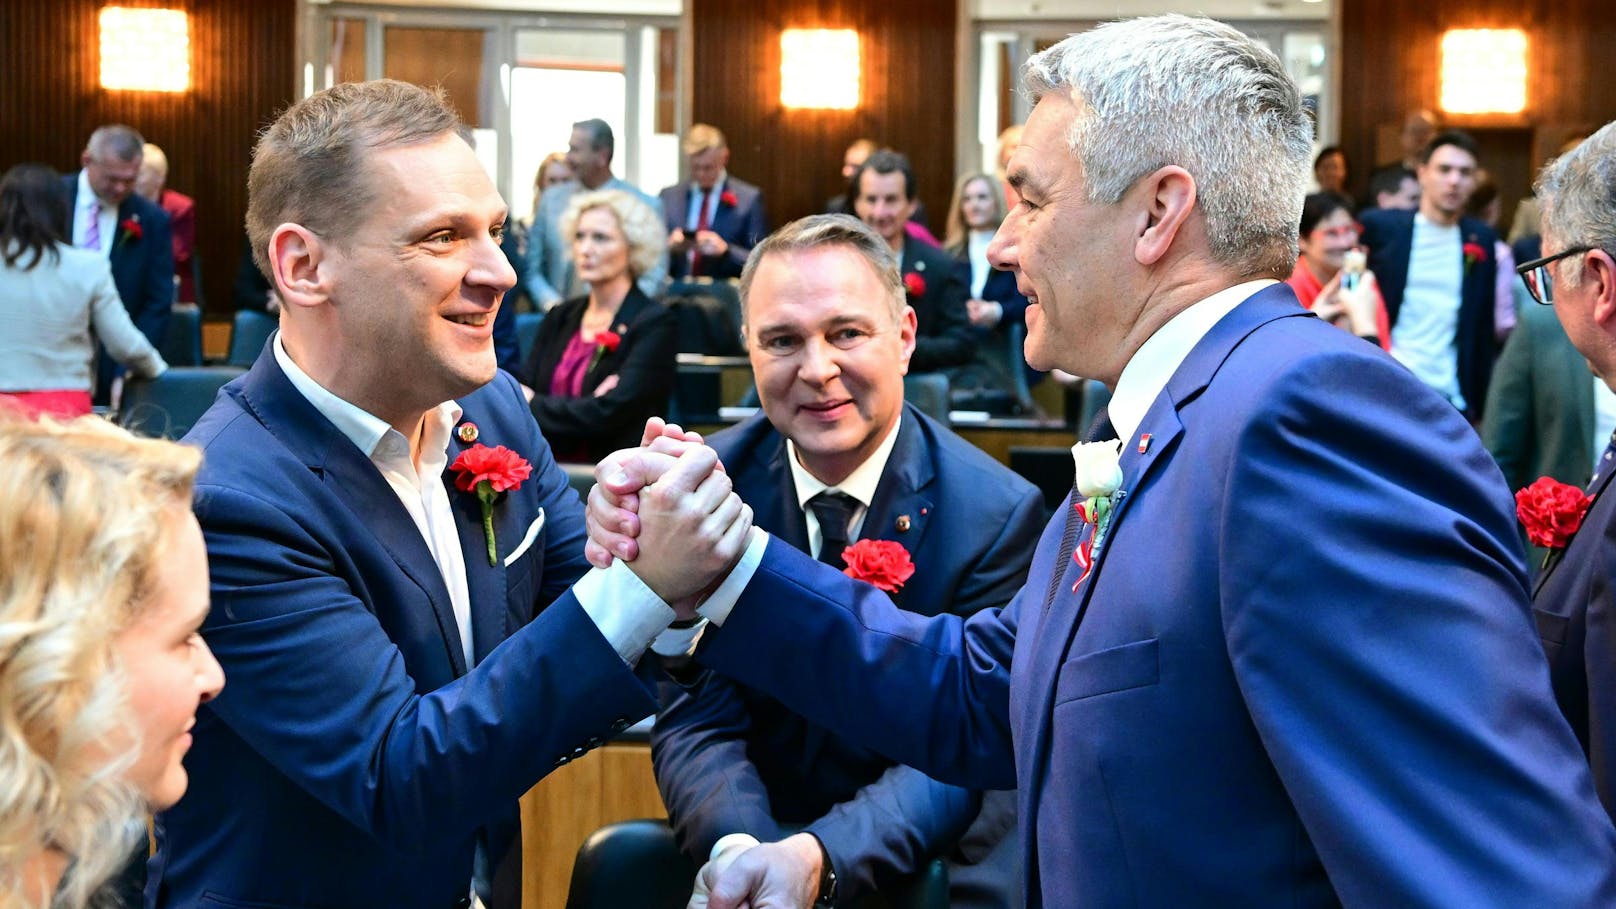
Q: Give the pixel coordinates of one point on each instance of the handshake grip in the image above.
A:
(670, 513)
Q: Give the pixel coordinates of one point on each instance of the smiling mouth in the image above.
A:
(475, 320)
(826, 406)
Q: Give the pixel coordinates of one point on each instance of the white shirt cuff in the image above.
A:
(731, 841)
(718, 606)
(628, 614)
(678, 642)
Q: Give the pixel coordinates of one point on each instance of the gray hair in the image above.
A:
(1191, 92)
(116, 141)
(1578, 192)
(817, 231)
(642, 228)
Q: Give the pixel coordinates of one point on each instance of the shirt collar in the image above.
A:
(368, 431)
(718, 185)
(86, 193)
(1146, 374)
(860, 484)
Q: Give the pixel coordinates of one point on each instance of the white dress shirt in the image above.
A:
(860, 485)
(82, 207)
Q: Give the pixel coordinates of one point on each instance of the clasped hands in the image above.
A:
(668, 510)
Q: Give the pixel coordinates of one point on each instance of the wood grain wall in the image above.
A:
(1390, 65)
(242, 72)
(908, 60)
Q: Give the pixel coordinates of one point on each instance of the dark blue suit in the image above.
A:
(942, 327)
(142, 268)
(1301, 674)
(731, 759)
(353, 760)
(1575, 608)
(742, 225)
(1389, 234)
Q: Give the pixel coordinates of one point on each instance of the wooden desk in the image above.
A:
(997, 435)
(612, 783)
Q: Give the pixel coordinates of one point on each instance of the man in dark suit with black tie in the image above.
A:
(1574, 603)
(884, 198)
(836, 456)
(108, 215)
(713, 220)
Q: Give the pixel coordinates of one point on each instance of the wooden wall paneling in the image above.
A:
(907, 54)
(449, 57)
(610, 784)
(1390, 59)
(242, 73)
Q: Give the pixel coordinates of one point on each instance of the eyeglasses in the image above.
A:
(1536, 273)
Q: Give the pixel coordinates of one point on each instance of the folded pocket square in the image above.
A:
(527, 539)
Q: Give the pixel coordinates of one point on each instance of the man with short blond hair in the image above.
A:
(713, 219)
(398, 587)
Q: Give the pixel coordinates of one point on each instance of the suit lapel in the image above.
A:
(1598, 495)
(354, 481)
(485, 583)
(1165, 430)
(902, 494)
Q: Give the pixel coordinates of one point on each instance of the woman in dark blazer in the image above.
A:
(977, 210)
(604, 362)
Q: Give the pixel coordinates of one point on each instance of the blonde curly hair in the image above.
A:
(642, 229)
(82, 534)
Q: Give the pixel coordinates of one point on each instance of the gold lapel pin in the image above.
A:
(466, 432)
(903, 523)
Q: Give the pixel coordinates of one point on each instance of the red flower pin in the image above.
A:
(489, 472)
(1474, 252)
(728, 198)
(914, 284)
(1551, 512)
(129, 229)
(882, 563)
(605, 343)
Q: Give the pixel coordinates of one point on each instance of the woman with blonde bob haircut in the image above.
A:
(604, 362)
(101, 667)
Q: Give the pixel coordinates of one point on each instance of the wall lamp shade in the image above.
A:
(145, 49)
(1484, 71)
(819, 68)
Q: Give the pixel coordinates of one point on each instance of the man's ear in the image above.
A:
(1599, 277)
(297, 254)
(1168, 196)
(907, 329)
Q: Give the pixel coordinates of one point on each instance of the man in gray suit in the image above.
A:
(550, 275)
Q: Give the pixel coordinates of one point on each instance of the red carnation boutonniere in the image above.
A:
(1551, 512)
(1474, 252)
(129, 229)
(728, 198)
(489, 472)
(914, 284)
(605, 343)
(881, 563)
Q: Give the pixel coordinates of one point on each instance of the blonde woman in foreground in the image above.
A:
(101, 665)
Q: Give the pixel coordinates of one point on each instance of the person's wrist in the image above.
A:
(826, 894)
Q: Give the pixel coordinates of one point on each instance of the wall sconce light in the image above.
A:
(145, 49)
(1484, 71)
(819, 68)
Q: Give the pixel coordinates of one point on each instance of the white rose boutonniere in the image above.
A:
(1099, 480)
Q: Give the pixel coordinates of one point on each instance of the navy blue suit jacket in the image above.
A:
(943, 329)
(1301, 673)
(1575, 608)
(742, 225)
(143, 267)
(1389, 234)
(353, 758)
(732, 759)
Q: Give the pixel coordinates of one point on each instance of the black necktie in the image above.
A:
(1100, 430)
(834, 512)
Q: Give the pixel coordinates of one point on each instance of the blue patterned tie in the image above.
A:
(1602, 465)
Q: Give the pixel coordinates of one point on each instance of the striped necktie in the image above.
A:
(92, 232)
